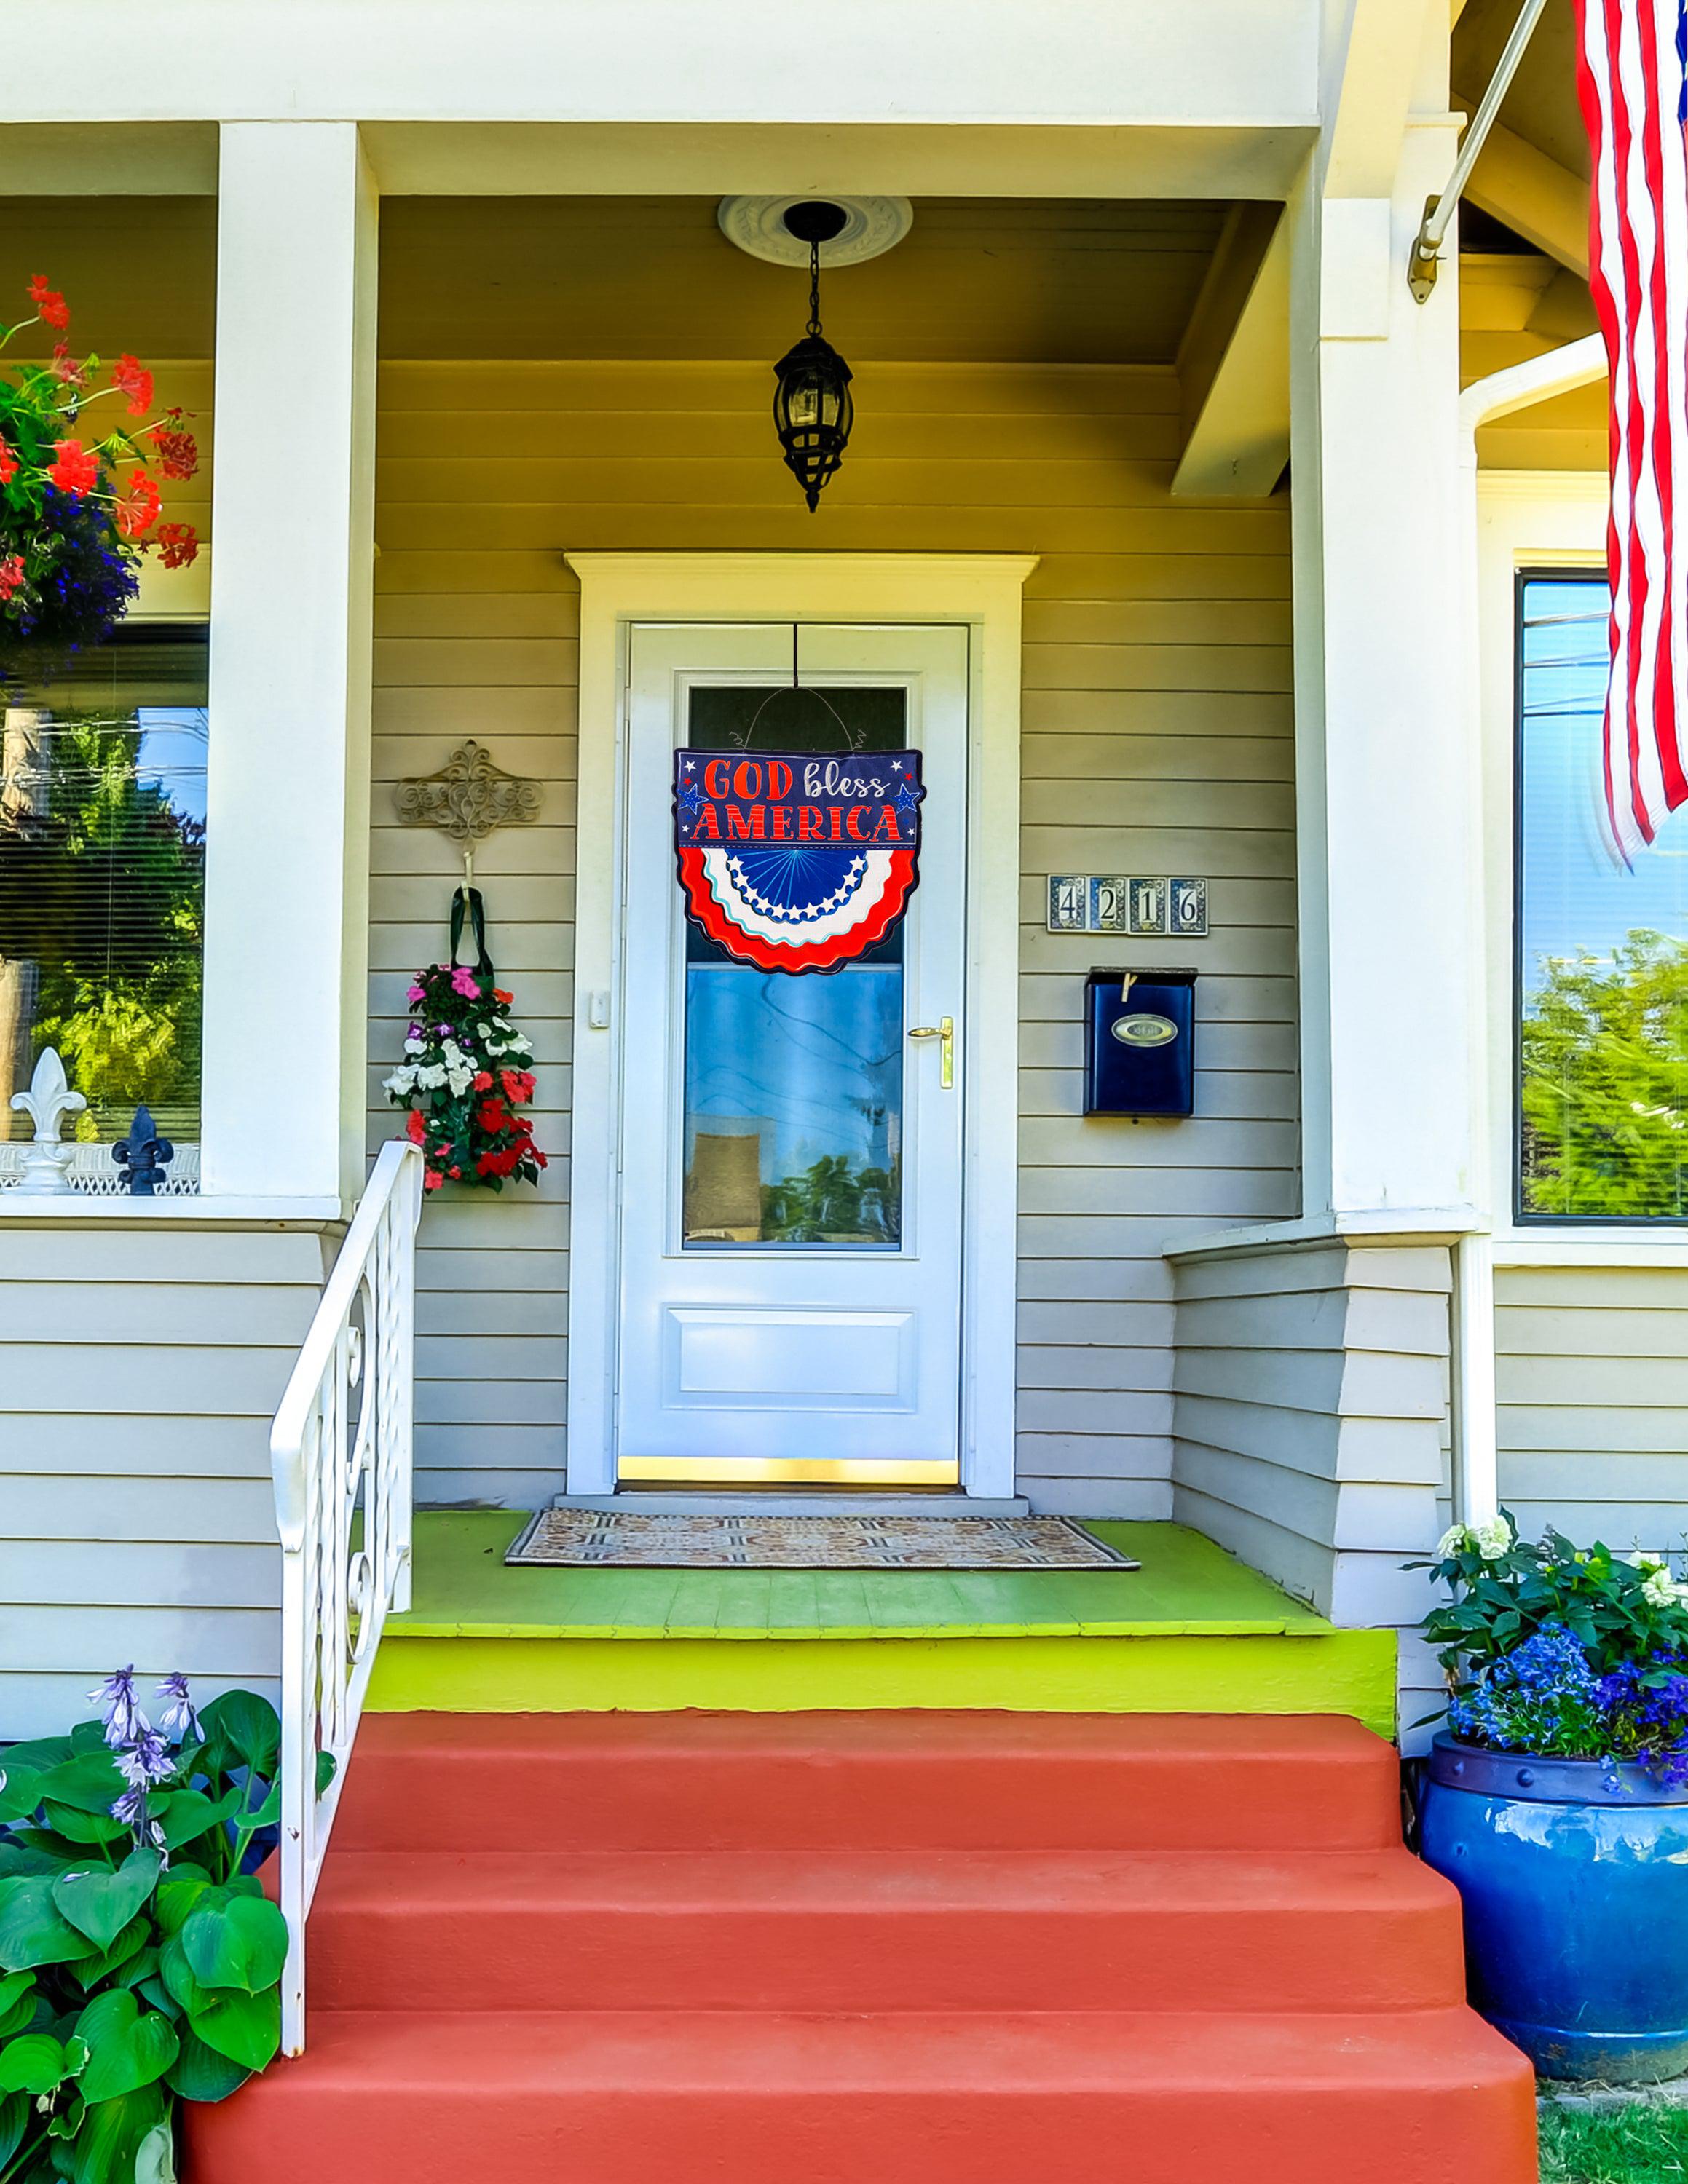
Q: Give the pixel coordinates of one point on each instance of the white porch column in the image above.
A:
(1388, 828)
(292, 578)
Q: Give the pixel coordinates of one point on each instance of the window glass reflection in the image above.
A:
(1602, 947)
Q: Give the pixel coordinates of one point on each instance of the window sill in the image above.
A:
(189, 1212)
(1590, 1247)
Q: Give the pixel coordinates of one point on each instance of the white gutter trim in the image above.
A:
(1577, 364)
(1476, 1480)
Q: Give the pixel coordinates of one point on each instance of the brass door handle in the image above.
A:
(944, 1032)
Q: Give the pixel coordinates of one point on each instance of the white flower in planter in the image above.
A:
(1455, 1538)
(1493, 1537)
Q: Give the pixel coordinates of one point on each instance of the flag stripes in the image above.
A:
(1631, 83)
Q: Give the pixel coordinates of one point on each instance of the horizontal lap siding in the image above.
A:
(1157, 737)
(139, 1370)
(1310, 1389)
(1591, 1371)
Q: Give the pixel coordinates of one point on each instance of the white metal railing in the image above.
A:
(340, 1451)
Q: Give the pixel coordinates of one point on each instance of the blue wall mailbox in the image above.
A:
(1140, 1042)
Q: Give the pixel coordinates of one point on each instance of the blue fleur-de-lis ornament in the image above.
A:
(144, 1154)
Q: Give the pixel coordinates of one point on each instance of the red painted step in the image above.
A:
(672, 2098)
(884, 1930)
(878, 1949)
(855, 1781)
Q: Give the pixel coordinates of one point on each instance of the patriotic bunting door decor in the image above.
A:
(793, 861)
(1630, 78)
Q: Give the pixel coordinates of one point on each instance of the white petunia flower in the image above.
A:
(1641, 1560)
(1455, 1538)
(1493, 1538)
(1660, 1589)
(400, 1083)
(430, 1078)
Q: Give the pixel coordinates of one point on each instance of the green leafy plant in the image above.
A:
(1502, 1590)
(1565, 1651)
(140, 1961)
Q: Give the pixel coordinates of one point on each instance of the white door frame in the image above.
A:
(981, 590)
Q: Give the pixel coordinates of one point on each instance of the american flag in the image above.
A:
(1632, 62)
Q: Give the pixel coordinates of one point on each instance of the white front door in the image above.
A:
(790, 1154)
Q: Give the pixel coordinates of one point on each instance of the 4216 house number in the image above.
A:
(1121, 902)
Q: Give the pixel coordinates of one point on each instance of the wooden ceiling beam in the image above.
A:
(1534, 196)
(1234, 364)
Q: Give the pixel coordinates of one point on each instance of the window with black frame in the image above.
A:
(102, 881)
(1602, 947)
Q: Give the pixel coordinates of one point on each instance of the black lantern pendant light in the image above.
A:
(812, 411)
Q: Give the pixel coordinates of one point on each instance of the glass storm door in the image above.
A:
(790, 1155)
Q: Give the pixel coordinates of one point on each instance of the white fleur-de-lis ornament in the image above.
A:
(47, 1101)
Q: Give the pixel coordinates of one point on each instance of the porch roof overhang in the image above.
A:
(1093, 99)
(93, 155)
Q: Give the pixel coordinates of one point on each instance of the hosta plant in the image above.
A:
(140, 1962)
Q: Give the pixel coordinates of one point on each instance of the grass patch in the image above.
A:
(1639, 2144)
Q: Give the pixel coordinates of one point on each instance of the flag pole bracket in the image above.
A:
(1421, 266)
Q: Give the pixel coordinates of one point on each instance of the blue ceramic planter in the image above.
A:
(1575, 1877)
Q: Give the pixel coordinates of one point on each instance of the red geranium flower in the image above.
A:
(493, 1116)
(49, 305)
(415, 1129)
(502, 997)
(483, 1081)
(11, 575)
(130, 377)
(432, 1178)
(178, 452)
(518, 1086)
(138, 508)
(65, 367)
(8, 462)
(177, 544)
(74, 470)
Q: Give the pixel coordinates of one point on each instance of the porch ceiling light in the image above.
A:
(813, 408)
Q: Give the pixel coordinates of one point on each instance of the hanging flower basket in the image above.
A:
(78, 512)
(465, 1081)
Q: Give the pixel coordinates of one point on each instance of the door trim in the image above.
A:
(982, 591)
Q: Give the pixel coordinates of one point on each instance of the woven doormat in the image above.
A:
(586, 1539)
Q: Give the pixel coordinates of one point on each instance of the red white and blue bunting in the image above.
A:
(795, 861)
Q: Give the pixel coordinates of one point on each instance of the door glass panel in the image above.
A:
(794, 1084)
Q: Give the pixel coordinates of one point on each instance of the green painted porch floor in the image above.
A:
(1187, 1586)
(1192, 1630)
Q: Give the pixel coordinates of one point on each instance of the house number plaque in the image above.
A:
(1124, 902)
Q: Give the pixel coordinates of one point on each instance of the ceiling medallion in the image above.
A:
(869, 227)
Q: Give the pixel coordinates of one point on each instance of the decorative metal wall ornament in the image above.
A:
(812, 406)
(468, 799)
(143, 1155)
(795, 861)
